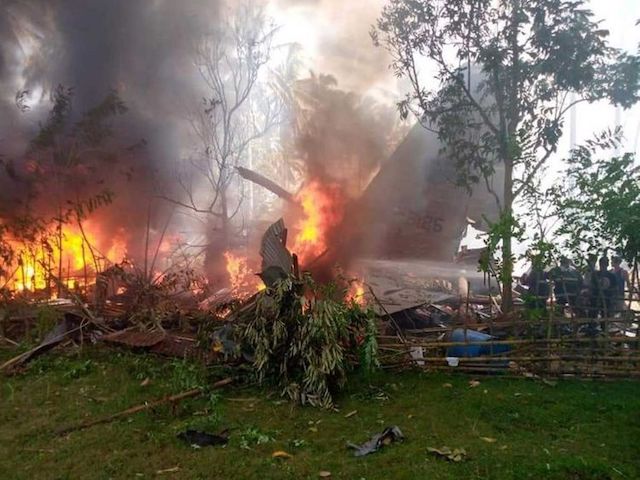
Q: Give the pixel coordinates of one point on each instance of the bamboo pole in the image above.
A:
(141, 408)
(84, 266)
(60, 251)
(438, 344)
(506, 372)
(545, 358)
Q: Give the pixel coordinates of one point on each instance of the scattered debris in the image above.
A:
(417, 354)
(168, 470)
(324, 474)
(455, 455)
(53, 338)
(474, 383)
(475, 348)
(453, 361)
(204, 439)
(351, 414)
(488, 439)
(379, 440)
(155, 341)
(281, 454)
(135, 339)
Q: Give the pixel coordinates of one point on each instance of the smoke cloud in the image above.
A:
(144, 50)
(341, 41)
(141, 49)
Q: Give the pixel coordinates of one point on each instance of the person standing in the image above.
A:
(589, 294)
(567, 283)
(622, 280)
(604, 289)
(537, 293)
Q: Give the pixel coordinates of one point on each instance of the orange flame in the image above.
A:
(36, 260)
(243, 280)
(323, 208)
(355, 293)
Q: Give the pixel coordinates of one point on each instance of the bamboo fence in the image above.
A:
(557, 344)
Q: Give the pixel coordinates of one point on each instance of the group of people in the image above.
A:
(591, 293)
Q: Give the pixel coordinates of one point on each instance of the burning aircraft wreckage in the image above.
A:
(380, 261)
(392, 250)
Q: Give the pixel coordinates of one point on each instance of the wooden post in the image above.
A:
(84, 265)
(60, 251)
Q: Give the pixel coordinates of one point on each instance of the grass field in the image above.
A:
(573, 430)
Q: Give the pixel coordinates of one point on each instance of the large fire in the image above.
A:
(72, 257)
(242, 280)
(323, 209)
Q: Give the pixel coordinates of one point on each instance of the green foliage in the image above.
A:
(507, 73)
(507, 224)
(369, 349)
(77, 370)
(530, 54)
(68, 367)
(598, 203)
(298, 443)
(186, 375)
(253, 436)
(574, 430)
(302, 339)
(541, 253)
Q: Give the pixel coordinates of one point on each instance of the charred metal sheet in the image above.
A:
(273, 249)
(136, 339)
(175, 346)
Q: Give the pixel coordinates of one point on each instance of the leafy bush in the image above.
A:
(253, 436)
(304, 340)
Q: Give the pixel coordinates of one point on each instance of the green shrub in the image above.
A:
(305, 340)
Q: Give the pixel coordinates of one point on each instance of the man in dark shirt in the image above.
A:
(603, 289)
(588, 294)
(567, 283)
(622, 279)
(537, 285)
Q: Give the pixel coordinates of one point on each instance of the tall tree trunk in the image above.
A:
(225, 220)
(513, 119)
(507, 260)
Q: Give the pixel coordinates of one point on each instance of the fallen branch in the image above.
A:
(141, 408)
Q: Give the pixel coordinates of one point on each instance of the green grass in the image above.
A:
(574, 430)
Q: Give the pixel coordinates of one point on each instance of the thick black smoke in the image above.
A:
(141, 48)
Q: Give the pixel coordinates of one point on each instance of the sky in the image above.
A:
(619, 16)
